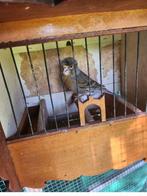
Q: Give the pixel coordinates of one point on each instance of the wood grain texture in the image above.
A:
(88, 150)
(7, 170)
(17, 11)
(42, 116)
(73, 25)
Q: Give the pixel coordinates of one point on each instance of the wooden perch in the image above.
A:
(98, 102)
(42, 116)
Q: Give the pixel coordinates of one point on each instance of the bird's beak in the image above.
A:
(66, 70)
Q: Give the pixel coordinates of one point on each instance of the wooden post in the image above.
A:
(7, 170)
(42, 116)
(99, 102)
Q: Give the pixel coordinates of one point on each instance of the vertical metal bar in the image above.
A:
(35, 79)
(137, 70)
(18, 76)
(73, 54)
(100, 61)
(66, 105)
(86, 47)
(9, 96)
(113, 61)
(125, 73)
(49, 87)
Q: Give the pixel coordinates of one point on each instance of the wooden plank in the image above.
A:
(129, 105)
(42, 116)
(22, 122)
(73, 24)
(25, 11)
(7, 170)
(88, 150)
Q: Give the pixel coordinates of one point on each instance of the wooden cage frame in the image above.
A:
(83, 153)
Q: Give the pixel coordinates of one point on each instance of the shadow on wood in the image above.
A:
(7, 170)
(42, 116)
(88, 150)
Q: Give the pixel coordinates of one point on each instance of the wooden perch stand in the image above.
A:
(98, 102)
(42, 117)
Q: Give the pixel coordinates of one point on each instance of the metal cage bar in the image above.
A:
(73, 54)
(49, 87)
(125, 73)
(100, 61)
(66, 105)
(137, 70)
(87, 59)
(77, 89)
(113, 67)
(35, 79)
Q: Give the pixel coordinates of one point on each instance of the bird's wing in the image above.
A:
(85, 82)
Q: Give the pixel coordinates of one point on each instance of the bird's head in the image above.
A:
(68, 65)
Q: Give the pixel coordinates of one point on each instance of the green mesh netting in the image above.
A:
(133, 182)
(77, 185)
(3, 187)
(130, 179)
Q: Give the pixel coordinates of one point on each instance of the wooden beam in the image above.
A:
(7, 170)
(129, 105)
(42, 116)
(16, 11)
(22, 122)
(73, 25)
(88, 150)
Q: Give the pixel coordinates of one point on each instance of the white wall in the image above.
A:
(6, 116)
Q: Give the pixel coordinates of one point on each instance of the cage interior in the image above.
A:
(38, 99)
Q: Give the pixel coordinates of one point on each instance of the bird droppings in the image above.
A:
(27, 8)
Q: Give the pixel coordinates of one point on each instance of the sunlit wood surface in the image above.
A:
(90, 150)
(70, 19)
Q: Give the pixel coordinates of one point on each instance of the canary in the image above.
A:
(78, 82)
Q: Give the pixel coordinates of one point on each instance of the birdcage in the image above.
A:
(74, 105)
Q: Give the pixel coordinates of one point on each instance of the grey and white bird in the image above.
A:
(78, 82)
